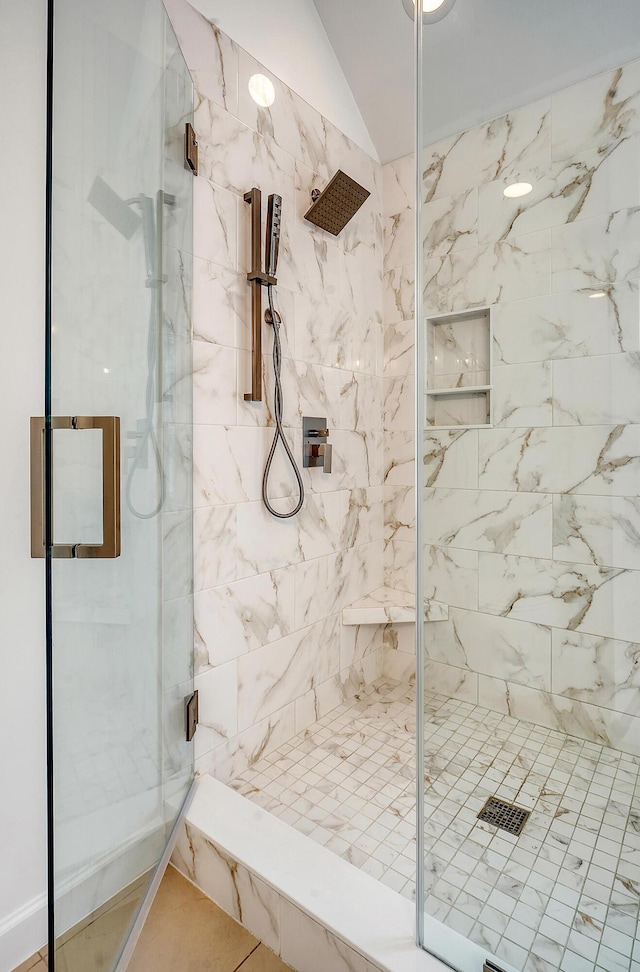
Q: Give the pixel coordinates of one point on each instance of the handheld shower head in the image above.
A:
(272, 245)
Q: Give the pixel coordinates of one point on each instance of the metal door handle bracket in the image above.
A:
(111, 511)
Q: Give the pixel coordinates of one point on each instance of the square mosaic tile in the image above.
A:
(565, 894)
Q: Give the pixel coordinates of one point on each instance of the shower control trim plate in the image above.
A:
(316, 451)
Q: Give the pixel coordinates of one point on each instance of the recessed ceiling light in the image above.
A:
(432, 10)
(262, 90)
(517, 189)
(598, 293)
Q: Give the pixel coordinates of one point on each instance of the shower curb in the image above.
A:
(311, 907)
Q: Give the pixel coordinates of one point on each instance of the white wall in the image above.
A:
(288, 37)
(22, 704)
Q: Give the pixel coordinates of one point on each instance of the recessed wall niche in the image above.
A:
(459, 369)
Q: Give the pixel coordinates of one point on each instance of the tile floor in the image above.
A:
(565, 894)
(185, 932)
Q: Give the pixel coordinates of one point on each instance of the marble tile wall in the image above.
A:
(532, 527)
(271, 653)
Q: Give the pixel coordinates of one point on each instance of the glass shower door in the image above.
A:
(528, 452)
(116, 450)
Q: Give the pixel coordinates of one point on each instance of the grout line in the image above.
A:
(238, 967)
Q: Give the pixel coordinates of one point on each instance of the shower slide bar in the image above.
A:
(257, 280)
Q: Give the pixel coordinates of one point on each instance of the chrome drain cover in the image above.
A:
(506, 816)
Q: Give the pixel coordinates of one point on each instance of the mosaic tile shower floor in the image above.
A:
(565, 894)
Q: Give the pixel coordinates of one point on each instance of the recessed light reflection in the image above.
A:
(262, 90)
(517, 189)
(599, 293)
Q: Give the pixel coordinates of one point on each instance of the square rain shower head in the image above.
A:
(337, 203)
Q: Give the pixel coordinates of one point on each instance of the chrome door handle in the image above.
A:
(111, 509)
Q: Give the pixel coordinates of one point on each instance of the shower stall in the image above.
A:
(426, 661)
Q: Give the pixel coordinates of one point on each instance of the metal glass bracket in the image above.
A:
(111, 519)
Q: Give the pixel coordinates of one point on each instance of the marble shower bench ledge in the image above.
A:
(387, 605)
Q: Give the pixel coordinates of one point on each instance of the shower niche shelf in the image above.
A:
(459, 369)
(386, 605)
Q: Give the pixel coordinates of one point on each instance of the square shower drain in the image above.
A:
(504, 815)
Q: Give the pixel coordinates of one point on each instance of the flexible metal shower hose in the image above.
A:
(272, 317)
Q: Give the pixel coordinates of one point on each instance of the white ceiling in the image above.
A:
(486, 57)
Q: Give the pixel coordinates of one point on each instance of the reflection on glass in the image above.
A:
(122, 628)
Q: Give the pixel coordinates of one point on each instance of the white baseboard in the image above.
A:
(22, 933)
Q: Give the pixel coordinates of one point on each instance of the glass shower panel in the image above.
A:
(528, 457)
(119, 378)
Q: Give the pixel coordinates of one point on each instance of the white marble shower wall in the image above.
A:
(271, 652)
(532, 527)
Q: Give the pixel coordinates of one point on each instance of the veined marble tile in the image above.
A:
(449, 224)
(229, 464)
(358, 641)
(451, 459)
(220, 305)
(217, 707)
(399, 513)
(399, 349)
(400, 565)
(399, 459)
(595, 114)
(234, 888)
(596, 600)
(265, 543)
(361, 285)
(567, 325)
(341, 577)
(564, 715)
(603, 530)
(399, 404)
(240, 617)
(485, 274)
(581, 459)
(451, 575)
(234, 157)
(214, 384)
(600, 182)
(516, 145)
(488, 521)
(307, 944)
(357, 462)
(216, 545)
(361, 516)
(597, 670)
(311, 266)
(399, 239)
(592, 253)
(233, 757)
(293, 124)
(308, 390)
(211, 56)
(597, 390)
(456, 683)
(361, 399)
(271, 676)
(399, 185)
(399, 665)
(500, 647)
(215, 231)
(399, 294)
(177, 547)
(523, 394)
(323, 335)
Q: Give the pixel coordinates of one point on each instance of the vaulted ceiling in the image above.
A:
(485, 57)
